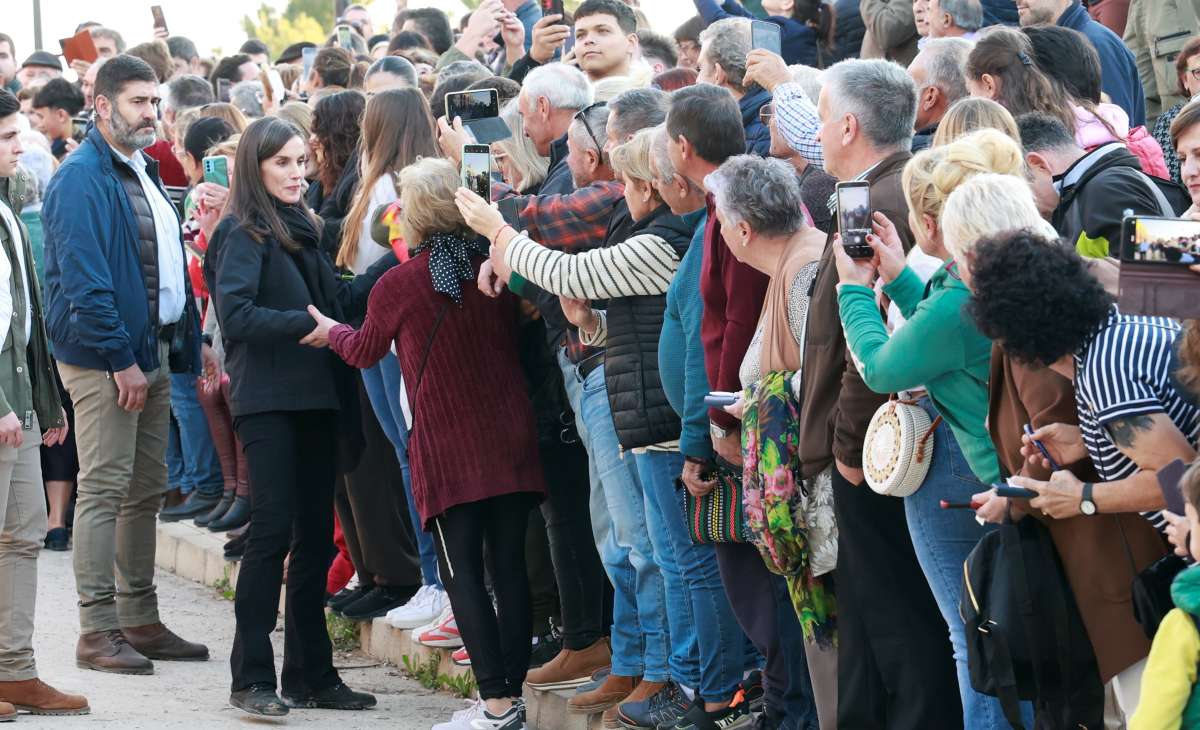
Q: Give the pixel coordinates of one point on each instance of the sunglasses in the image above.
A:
(766, 113)
(581, 115)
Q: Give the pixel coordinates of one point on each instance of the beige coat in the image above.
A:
(1156, 32)
(891, 30)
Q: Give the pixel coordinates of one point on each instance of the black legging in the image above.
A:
(498, 642)
(293, 463)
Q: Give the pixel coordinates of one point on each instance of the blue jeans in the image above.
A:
(942, 539)
(382, 382)
(639, 633)
(708, 648)
(192, 462)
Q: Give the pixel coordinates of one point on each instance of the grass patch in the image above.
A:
(343, 632)
(427, 675)
(224, 587)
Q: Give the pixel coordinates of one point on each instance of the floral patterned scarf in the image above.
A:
(775, 497)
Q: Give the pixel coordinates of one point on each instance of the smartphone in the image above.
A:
(767, 36)
(223, 87)
(78, 128)
(476, 169)
(159, 20)
(1042, 448)
(345, 39)
(569, 43)
(720, 399)
(854, 218)
(1155, 256)
(216, 170)
(1005, 490)
(472, 105)
(553, 7)
(1168, 481)
(309, 55)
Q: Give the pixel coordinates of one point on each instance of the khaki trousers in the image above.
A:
(122, 475)
(23, 516)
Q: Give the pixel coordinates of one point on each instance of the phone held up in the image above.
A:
(854, 218)
(345, 39)
(216, 170)
(1155, 256)
(159, 20)
(553, 7)
(767, 36)
(476, 170)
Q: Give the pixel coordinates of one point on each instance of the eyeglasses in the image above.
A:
(1194, 73)
(765, 113)
(581, 115)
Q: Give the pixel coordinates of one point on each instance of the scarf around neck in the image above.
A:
(450, 261)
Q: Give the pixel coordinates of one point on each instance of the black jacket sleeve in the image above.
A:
(239, 274)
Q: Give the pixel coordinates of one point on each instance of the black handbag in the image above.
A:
(1151, 588)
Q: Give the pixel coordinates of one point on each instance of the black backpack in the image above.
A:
(1025, 639)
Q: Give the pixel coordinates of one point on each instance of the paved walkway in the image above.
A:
(195, 695)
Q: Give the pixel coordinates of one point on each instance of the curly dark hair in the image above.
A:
(1034, 296)
(337, 125)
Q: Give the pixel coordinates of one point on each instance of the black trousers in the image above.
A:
(539, 567)
(895, 664)
(582, 583)
(498, 641)
(292, 461)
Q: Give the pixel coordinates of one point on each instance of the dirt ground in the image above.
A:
(196, 695)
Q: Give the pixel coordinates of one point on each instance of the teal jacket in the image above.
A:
(27, 384)
(938, 347)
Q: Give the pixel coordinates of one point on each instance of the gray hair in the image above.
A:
(946, 66)
(726, 43)
(563, 86)
(597, 121)
(966, 14)
(809, 78)
(880, 95)
(247, 96)
(638, 109)
(188, 92)
(763, 192)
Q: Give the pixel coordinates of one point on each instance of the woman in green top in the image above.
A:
(937, 349)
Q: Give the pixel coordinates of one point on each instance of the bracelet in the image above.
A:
(497, 236)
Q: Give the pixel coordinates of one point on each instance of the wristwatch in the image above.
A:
(716, 431)
(1086, 505)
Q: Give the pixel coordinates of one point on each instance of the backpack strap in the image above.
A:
(424, 359)
(1164, 206)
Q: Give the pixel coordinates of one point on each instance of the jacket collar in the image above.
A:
(1092, 161)
(1074, 17)
(109, 156)
(891, 163)
(558, 150)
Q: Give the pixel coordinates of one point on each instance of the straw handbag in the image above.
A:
(898, 448)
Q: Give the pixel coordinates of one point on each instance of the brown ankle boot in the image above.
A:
(570, 668)
(38, 698)
(156, 641)
(110, 651)
(614, 690)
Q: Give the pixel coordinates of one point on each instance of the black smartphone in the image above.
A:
(472, 105)
(223, 87)
(854, 218)
(1168, 481)
(476, 170)
(1155, 256)
(78, 128)
(1004, 490)
(767, 36)
(553, 7)
(159, 20)
(345, 37)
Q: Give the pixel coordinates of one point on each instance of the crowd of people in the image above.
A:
(645, 422)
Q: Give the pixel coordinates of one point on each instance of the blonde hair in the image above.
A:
(530, 167)
(632, 159)
(226, 147)
(971, 114)
(611, 87)
(299, 114)
(427, 205)
(226, 111)
(985, 205)
(933, 174)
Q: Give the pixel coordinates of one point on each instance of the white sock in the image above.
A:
(688, 692)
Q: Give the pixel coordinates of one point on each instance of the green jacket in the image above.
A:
(938, 347)
(27, 384)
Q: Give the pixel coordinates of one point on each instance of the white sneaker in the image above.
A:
(476, 717)
(461, 720)
(421, 609)
(437, 621)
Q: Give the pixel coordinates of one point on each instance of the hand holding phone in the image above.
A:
(160, 22)
(1005, 490)
(854, 218)
(216, 170)
(720, 399)
(767, 36)
(476, 169)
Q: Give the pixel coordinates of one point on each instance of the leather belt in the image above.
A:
(585, 367)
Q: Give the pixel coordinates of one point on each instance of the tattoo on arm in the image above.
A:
(1124, 431)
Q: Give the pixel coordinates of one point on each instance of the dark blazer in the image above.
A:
(262, 298)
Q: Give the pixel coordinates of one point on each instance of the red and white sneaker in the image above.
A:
(460, 657)
(443, 636)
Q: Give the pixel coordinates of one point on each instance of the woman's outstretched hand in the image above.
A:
(319, 337)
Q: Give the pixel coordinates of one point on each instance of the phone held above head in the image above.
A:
(854, 218)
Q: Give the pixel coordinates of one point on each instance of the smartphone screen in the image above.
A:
(223, 87)
(345, 40)
(477, 169)
(766, 36)
(1163, 241)
(309, 55)
(216, 170)
(569, 43)
(552, 7)
(470, 105)
(159, 20)
(854, 218)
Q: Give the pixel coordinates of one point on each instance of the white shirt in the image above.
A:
(172, 296)
(383, 193)
(6, 294)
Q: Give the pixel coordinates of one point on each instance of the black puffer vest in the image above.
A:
(641, 414)
(146, 232)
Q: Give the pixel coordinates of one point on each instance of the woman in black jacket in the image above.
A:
(264, 268)
(335, 139)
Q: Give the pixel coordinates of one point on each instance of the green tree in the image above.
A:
(319, 10)
(279, 32)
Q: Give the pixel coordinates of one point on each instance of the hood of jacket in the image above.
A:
(1090, 129)
(1105, 157)
(1185, 590)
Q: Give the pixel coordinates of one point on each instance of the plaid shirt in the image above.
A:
(796, 116)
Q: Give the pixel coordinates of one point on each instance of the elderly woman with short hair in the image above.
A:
(474, 483)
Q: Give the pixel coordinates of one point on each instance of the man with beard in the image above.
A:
(121, 318)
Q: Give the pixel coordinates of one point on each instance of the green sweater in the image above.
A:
(938, 347)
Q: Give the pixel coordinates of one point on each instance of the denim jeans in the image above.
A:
(639, 633)
(942, 539)
(192, 462)
(708, 647)
(382, 382)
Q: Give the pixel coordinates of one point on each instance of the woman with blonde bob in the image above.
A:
(972, 114)
(473, 484)
(954, 374)
(523, 168)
